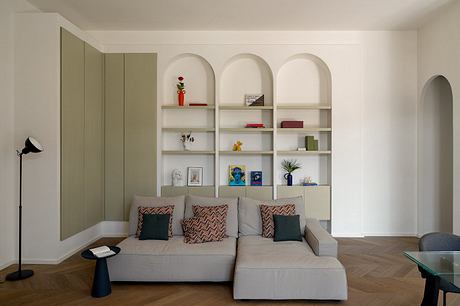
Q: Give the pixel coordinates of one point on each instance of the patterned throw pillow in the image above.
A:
(203, 229)
(162, 210)
(219, 213)
(267, 212)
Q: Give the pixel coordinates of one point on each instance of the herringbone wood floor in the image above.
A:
(378, 274)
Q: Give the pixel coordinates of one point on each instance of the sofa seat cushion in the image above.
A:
(173, 260)
(286, 270)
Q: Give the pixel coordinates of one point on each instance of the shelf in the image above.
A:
(304, 152)
(185, 129)
(305, 106)
(246, 130)
(246, 152)
(210, 107)
(182, 152)
(303, 130)
(237, 107)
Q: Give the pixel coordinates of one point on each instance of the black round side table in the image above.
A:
(101, 282)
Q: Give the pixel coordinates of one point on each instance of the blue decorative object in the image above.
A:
(237, 175)
(288, 177)
(256, 178)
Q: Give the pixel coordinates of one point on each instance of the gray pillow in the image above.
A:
(232, 214)
(249, 220)
(178, 214)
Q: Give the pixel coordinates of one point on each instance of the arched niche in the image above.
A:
(435, 152)
(198, 77)
(246, 74)
(304, 79)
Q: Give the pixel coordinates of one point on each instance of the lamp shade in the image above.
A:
(32, 145)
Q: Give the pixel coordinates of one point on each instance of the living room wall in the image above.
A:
(438, 49)
(382, 176)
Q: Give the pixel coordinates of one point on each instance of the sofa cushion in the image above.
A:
(203, 229)
(286, 270)
(173, 260)
(164, 210)
(249, 218)
(178, 215)
(232, 214)
(287, 228)
(155, 226)
(266, 214)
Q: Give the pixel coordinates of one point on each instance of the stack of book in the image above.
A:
(255, 125)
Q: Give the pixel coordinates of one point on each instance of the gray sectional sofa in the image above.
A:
(259, 267)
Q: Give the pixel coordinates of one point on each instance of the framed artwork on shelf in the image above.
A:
(194, 176)
(256, 178)
(254, 100)
(237, 175)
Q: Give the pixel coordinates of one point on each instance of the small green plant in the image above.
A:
(290, 165)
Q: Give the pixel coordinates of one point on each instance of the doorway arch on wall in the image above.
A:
(435, 157)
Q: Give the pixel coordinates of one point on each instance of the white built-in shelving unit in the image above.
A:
(299, 90)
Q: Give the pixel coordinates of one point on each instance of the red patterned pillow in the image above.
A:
(161, 210)
(267, 212)
(202, 229)
(219, 213)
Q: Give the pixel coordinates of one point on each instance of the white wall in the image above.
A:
(374, 119)
(439, 49)
(8, 160)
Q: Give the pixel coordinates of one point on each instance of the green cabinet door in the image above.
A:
(140, 126)
(73, 211)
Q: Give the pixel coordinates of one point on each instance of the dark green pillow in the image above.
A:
(155, 227)
(287, 228)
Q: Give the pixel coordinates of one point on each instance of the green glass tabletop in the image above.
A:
(445, 264)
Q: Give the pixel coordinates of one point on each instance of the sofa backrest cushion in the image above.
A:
(178, 214)
(232, 213)
(249, 218)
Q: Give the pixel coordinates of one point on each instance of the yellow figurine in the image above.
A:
(237, 146)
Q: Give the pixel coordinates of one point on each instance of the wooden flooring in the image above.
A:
(378, 274)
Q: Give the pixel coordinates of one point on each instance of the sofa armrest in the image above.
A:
(319, 239)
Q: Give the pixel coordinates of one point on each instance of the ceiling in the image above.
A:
(244, 15)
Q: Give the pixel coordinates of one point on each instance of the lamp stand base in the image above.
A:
(18, 275)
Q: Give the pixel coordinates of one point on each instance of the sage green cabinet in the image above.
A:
(253, 192)
(130, 130)
(317, 199)
(82, 139)
(73, 211)
(202, 191)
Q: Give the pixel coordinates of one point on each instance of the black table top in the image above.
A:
(89, 255)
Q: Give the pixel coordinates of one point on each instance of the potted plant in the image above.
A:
(187, 140)
(181, 90)
(290, 165)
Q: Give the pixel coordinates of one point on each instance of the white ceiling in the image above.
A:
(244, 15)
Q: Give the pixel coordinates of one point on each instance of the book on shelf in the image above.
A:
(198, 104)
(291, 124)
(102, 251)
(255, 125)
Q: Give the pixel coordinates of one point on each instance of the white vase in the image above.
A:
(187, 146)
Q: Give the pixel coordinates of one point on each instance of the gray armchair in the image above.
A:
(440, 242)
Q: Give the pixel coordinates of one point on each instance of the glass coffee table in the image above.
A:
(443, 265)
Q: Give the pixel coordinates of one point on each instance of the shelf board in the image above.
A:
(183, 152)
(246, 130)
(303, 130)
(187, 107)
(242, 107)
(185, 129)
(305, 106)
(246, 152)
(294, 152)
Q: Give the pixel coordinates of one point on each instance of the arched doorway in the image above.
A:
(435, 157)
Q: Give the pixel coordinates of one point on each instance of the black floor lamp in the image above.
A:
(31, 146)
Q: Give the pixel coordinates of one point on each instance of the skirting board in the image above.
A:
(102, 229)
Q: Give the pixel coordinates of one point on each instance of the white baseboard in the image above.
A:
(7, 264)
(396, 234)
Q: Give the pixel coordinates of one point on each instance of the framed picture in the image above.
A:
(256, 178)
(254, 100)
(237, 175)
(194, 176)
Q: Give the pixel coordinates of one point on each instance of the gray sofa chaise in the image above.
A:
(259, 267)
